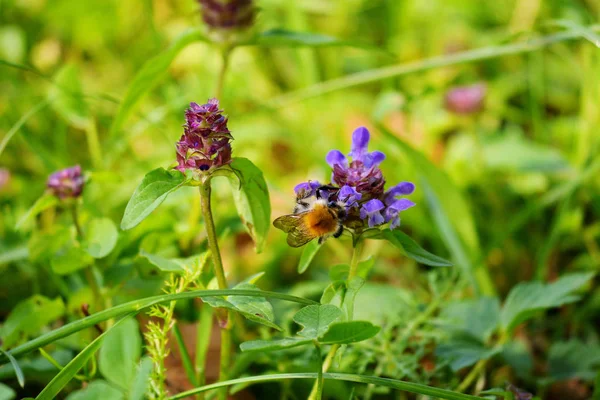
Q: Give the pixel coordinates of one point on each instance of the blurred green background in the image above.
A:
(510, 193)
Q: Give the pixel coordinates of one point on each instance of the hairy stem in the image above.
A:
(213, 245)
(319, 382)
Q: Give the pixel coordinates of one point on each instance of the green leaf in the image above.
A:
(349, 332)
(120, 353)
(282, 37)
(70, 370)
(29, 316)
(177, 265)
(134, 307)
(149, 76)
(411, 249)
(573, 359)
(251, 197)
(451, 214)
(43, 203)
(528, 298)
(271, 345)
(351, 291)
(17, 368)
(97, 390)
(6, 393)
(308, 253)
(464, 351)
(101, 237)
(517, 355)
(141, 382)
(72, 257)
(68, 100)
(478, 318)
(255, 309)
(153, 190)
(315, 320)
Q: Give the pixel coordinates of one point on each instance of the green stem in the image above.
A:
(213, 245)
(357, 249)
(225, 52)
(473, 374)
(319, 382)
(202, 343)
(185, 356)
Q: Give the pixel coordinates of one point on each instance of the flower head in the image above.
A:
(225, 16)
(465, 99)
(358, 184)
(66, 183)
(205, 141)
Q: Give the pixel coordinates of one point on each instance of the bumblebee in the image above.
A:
(313, 217)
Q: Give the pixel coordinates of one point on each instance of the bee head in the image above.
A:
(339, 209)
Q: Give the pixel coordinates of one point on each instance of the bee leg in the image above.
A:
(339, 231)
(322, 239)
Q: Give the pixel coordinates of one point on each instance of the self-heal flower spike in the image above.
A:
(363, 172)
(205, 141)
(66, 183)
(227, 18)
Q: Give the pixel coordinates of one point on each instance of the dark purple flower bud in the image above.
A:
(349, 196)
(466, 99)
(66, 183)
(227, 15)
(4, 178)
(371, 210)
(205, 141)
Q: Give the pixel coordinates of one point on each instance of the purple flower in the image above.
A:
(465, 99)
(349, 196)
(363, 172)
(371, 210)
(66, 183)
(393, 210)
(227, 14)
(205, 141)
(306, 189)
(4, 178)
(401, 189)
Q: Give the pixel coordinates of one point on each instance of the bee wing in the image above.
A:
(293, 225)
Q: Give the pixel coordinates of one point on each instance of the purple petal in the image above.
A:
(401, 205)
(373, 159)
(195, 107)
(375, 219)
(373, 206)
(401, 189)
(360, 143)
(395, 223)
(349, 195)
(336, 157)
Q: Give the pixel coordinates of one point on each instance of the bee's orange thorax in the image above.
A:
(319, 221)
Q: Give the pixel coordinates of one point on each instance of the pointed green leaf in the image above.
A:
(315, 320)
(308, 253)
(464, 351)
(153, 190)
(141, 381)
(271, 345)
(251, 197)
(44, 202)
(574, 359)
(282, 37)
(411, 249)
(97, 390)
(149, 76)
(101, 237)
(6, 393)
(17, 368)
(177, 265)
(528, 298)
(349, 332)
(120, 353)
(478, 318)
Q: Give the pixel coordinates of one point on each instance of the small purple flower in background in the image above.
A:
(359, 185)
(66, 183)
(227, 14)
(4, 178)
(466, 99)
(205, 141)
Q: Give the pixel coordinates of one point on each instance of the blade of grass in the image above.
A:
(135, 307)
(22, 122)
(185, 355)
(374, 75)
(15, 364)
(391, 383)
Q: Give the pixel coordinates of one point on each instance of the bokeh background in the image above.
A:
(509, 192)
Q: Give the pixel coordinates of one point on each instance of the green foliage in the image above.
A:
(16, 367)
(309, 252)
(528, 298)
(72, 257)
(573, 359)
(67, 97)
(315, 320)
(97, 390)
(177, 265)
(251, 197)
(6, 393)
(411, 249)
(120, 353)
(349, 332)
(100, 237)
(44, 202)
(153, 190)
